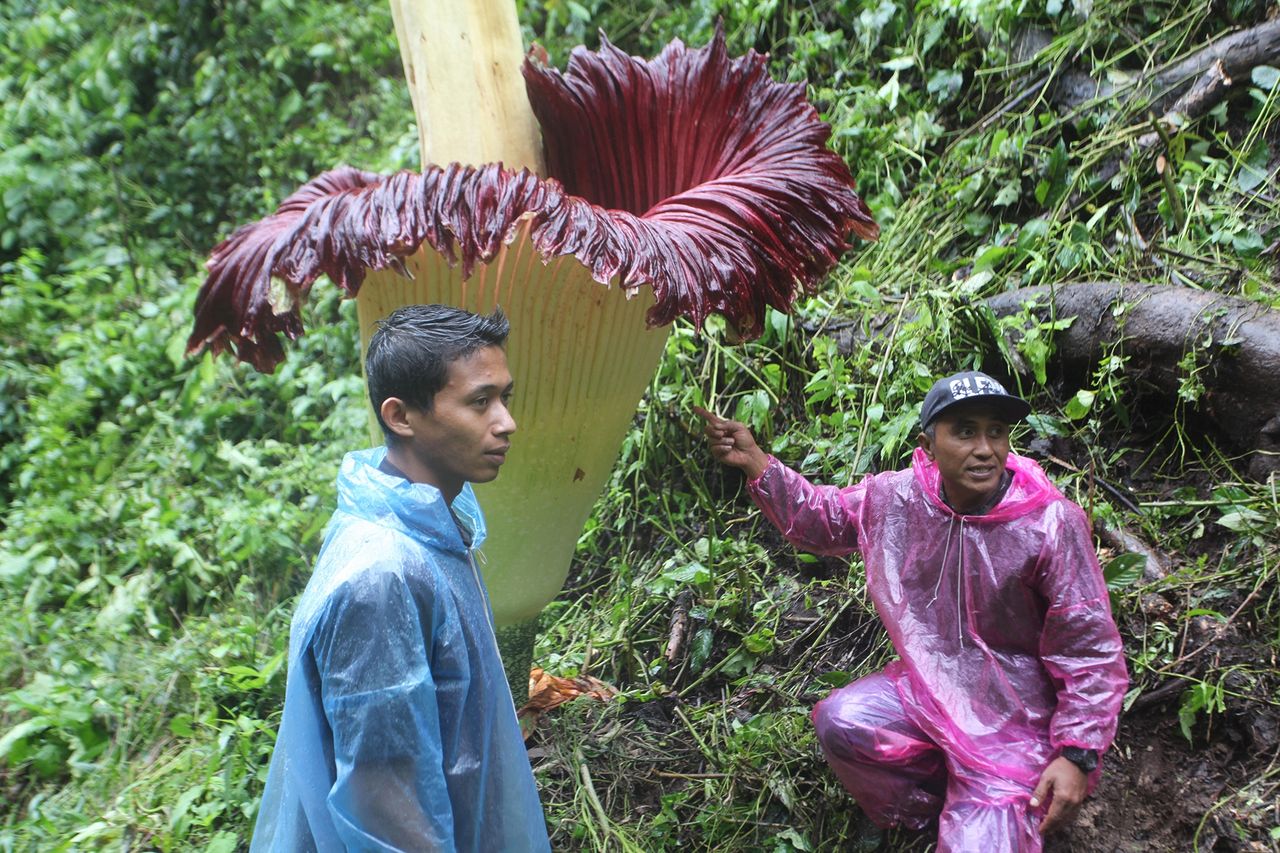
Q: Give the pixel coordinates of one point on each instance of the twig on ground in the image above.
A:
(666, 774)
(1125, 541)
(1113, 490)
(606, 825)
(679, 630)
(1153, 697)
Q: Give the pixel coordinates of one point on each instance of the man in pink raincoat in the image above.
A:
(1010, 675)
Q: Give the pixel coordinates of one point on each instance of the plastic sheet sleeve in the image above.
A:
(390, 791)
(817, 519)
(1079, 644)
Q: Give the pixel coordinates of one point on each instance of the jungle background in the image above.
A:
(160, 513)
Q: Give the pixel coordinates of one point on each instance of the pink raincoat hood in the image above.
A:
(1029, 490)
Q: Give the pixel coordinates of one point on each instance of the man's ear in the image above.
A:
(925, 444)
(395, 414)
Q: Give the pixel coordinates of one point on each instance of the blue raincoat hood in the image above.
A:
(415, 509)
(398, 731)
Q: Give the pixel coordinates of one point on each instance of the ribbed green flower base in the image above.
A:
(515, 642)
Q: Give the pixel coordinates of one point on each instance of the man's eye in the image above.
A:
(480, 402)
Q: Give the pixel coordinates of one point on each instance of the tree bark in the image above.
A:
(1236, 345)
(1233, 56)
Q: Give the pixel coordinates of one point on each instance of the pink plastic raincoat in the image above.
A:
(1007, 648)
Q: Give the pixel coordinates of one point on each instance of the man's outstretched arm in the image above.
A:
(819, 519)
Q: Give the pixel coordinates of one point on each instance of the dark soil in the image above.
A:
(1160, 792)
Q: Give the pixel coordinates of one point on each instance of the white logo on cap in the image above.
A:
(975, 386)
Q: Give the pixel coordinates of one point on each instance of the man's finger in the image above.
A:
(1051, 819)
(709, 417)
(1041, 791)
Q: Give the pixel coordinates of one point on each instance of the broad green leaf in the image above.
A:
(700, 649)
(20, 732)
(1265, 76)
(945, 83)
(759, 642)
(183, 804)
(990, 257)
(1253, 171)
(1124, 570)
(835, 678)
(1241, 519)
(223, 842)
(1079, 405)
(1008, 194)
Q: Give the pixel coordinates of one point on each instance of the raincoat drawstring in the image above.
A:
(942, 567)
(959, 588)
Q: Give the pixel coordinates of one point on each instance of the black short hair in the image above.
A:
(411, 350)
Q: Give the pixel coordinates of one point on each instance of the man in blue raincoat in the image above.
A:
(398, 731)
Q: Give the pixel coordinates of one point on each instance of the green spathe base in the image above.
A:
(515, 642)
(581, 356)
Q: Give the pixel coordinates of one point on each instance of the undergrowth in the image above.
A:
(160, 513)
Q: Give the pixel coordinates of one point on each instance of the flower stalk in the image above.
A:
(685, 185)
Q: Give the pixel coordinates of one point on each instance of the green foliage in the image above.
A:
(160, 513)
(124, 123)
(1201, 697)
(158, 510)
(979, 190)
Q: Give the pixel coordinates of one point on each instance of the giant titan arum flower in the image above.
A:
(687, 185)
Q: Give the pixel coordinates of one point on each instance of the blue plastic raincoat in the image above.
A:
(1008, 651)
(398, 730)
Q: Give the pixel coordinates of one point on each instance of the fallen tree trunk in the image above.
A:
(1234, 55)
(1236, 345)
(1180, 91)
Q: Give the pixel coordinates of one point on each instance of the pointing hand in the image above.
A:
(732, 444)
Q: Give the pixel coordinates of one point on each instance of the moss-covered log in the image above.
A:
(1235, 345)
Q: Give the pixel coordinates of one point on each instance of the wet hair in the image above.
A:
(411, 350)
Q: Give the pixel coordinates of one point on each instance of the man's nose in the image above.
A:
(983, 446)
(506, 424)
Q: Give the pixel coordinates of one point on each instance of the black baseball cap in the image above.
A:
(965, 387)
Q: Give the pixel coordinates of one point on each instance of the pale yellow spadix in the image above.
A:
(462, 63)
(580, 353)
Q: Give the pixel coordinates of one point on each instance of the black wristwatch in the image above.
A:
(1085, 759)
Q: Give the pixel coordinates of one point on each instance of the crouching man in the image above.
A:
(1010, 674)
(399, 732)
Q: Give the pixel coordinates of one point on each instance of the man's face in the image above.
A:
(970, 446)
(465, 436)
